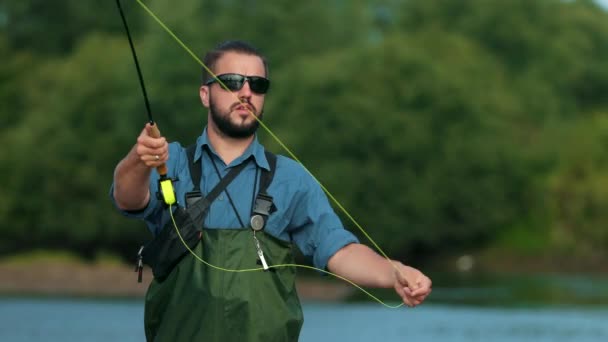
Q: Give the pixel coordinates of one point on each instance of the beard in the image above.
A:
(230, 129)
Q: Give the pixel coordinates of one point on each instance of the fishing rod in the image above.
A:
(177, 229)
(166, 191)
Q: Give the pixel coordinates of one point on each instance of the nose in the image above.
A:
(245, 91)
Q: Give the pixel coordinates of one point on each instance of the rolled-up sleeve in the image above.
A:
(316, 228)
(141, 214)
(331, 242)
(154, 214)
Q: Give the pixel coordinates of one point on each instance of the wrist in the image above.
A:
(388, 276)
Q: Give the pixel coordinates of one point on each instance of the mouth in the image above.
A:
(244, 109)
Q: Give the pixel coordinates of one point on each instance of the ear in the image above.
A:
(203, 92)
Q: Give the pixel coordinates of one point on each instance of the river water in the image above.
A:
(89, 320)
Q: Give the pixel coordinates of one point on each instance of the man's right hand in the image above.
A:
(132, 174)
(150, 150)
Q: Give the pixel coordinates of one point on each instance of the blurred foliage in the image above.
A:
(439, 125)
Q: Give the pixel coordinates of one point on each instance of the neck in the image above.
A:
(226, 147)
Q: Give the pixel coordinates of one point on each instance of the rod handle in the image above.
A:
(155, 133)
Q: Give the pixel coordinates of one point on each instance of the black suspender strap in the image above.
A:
(198, 209)
(263, 205)
(221, 186)
(195, 168)
(267, 176)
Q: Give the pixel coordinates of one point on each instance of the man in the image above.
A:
(196, 301)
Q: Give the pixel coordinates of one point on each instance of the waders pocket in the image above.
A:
(167, 249)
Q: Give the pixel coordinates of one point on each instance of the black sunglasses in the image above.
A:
(235, 82)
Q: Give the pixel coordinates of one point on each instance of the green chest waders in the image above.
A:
(190, 301)
(199, 303)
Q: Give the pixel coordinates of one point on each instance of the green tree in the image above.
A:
(577, 189)
(56, 27)
(437, 124)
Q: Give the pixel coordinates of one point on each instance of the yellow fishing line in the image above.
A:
(292, 155)
(272, 266)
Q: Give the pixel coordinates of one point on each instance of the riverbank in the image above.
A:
(516, 279)
(112, 279)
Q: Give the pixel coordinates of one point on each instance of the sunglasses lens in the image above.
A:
(259, 84)
(233, 82)
(233, 85)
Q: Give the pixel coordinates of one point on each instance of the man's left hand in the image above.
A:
(411, 284)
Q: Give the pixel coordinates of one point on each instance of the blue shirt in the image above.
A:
(304, 215)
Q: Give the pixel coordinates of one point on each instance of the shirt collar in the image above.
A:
(255, 149)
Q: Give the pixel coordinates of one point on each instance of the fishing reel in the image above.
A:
(166, 193)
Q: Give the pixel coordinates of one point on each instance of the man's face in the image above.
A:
(228, 115)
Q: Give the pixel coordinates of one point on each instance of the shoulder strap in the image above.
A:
(200, 207)
(221, 186)
(267, 176)
(263, 205)
(195, 168)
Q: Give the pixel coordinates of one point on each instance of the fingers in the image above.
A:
(424, 287)
(403, 293)
(154, 159)
(414, 291)
(418, 295)
(149, 139)
(152, 151)
(408, 299)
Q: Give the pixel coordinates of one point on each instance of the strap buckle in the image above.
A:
(262, 208)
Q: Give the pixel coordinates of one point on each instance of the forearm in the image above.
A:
(131, 183)
(363, 266)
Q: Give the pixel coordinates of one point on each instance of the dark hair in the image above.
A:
(238, 46)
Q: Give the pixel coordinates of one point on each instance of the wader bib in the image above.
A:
(195, 302)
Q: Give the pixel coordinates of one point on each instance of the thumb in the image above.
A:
(145, 132)
(149, 129)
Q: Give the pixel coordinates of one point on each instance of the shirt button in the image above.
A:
(221, 198)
